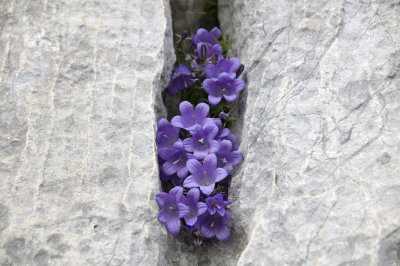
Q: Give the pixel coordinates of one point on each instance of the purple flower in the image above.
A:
(167, 134)
(202, 141)
(190, 116)
(176, 158)
(217, 204)
(204, 175)
(212, 50)
(211, 225)
(227, 157)
(181, 79)
(171, 209)
(223, 66)
(196, 208)
(164, 177)
(226, 86)
(223, 116)
(203, 35)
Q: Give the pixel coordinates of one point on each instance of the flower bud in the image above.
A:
(203, 52)
(184, 35)
(240, 70)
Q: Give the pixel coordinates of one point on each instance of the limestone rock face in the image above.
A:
(320, 183)
(80, 85)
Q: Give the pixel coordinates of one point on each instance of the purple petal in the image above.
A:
(210, 162)
(220, 174)
(209, 85)
(169, 168)
(238, 85)
(177, 191)
(182, 172)
(211, 71)
(190, 182)
(214, 146)
(213, 99)
(177, 121)
(194, 194)
(225, 146)
(173, 225)
(183, 209)
(207, 189)
(230, 98)
(188, 144)
(216, 32)
(237, 157)
(226, 77)
(223, 234)
(201, 208)
(207, 232)
(160, 197)
(161, 216)
(190, 220)
(202, 110)
(211, 131)
(200, 154)
(194, 166)
(186, 107)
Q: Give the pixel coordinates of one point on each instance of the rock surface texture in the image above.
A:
(80, 82)
(320, 184)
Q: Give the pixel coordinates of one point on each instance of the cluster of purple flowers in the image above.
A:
(195, 151)
(219, 76)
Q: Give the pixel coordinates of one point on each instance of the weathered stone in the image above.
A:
(80, 87)
(320, 181)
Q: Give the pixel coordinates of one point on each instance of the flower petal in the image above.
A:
(194, 194)
(161, 216)
(188, 144)
(190, 182)
(223, 234)
(194, 166)
(230, 98)
(182, 172)
(186, 107)
(201, 208)
(214, 146)
(213, 99)
(210, 86)
(220, 174)
(207, 189)
(160, 197)
(177, 121)
(202, 110)
(173, 225)
(206, 232)
(210, 161)
(169, 168)
(183, 209)
(190, 220)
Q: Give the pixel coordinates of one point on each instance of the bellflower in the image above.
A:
(226, 85)
(164, 177)
(211, 225)
(176, 158)
(203, 35)
(171, 209)
(202, 141)
(196, 208)
(217, 204)
(181, 79)
(190, 116)
(167, 134)
(223, 66)
(227, 157)
(223, 116)
(204, 175)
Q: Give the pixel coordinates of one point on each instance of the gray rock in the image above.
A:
(80, 89)
(320, 132)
